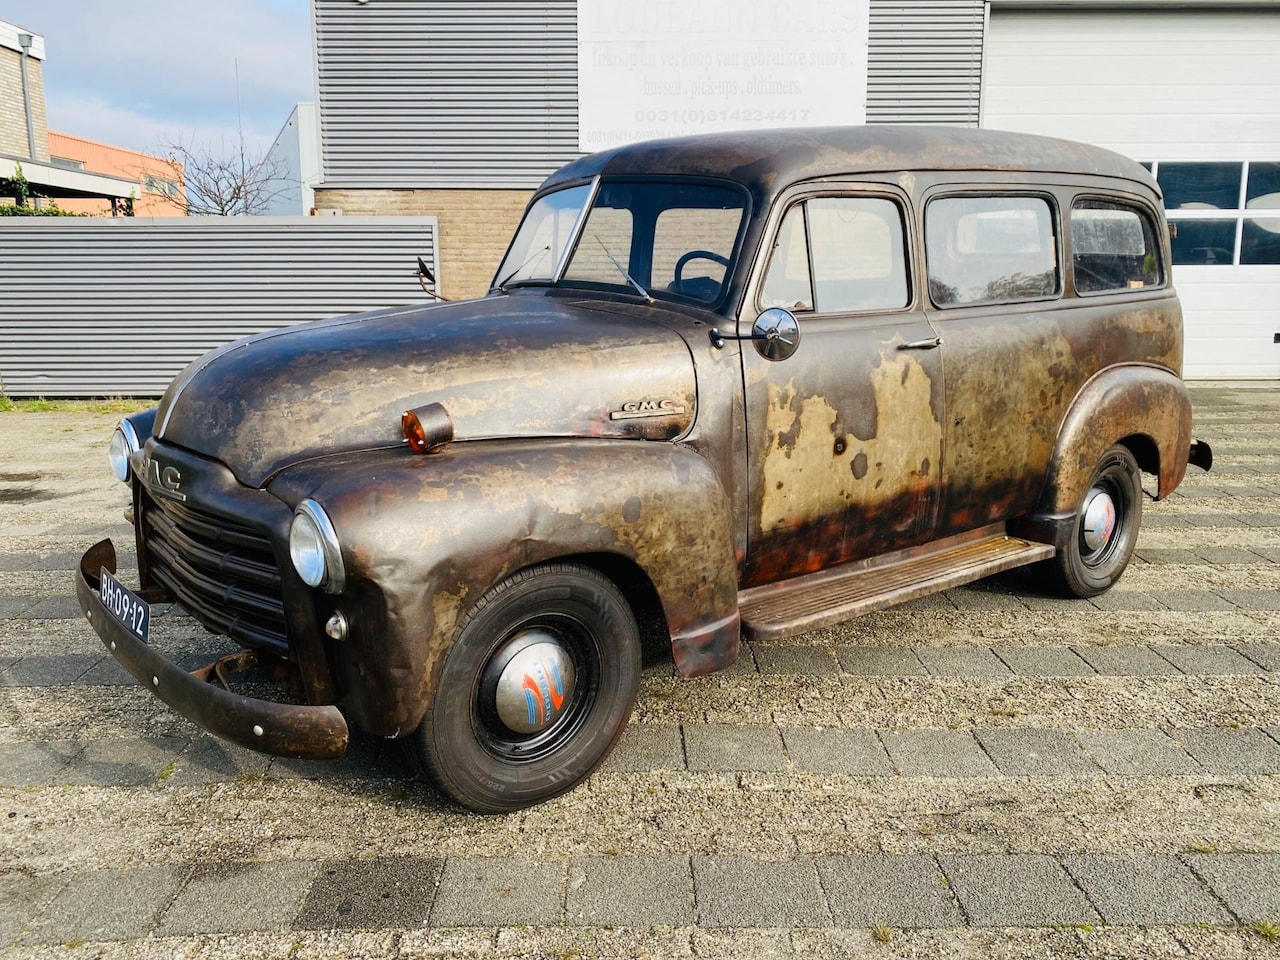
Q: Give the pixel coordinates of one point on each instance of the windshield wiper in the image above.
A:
(536, 255)
(621, 269)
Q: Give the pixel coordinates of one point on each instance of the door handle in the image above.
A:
(928, 344)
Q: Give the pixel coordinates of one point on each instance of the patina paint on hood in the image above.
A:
(517, 366)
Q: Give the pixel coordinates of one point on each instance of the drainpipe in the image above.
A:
(25, 40)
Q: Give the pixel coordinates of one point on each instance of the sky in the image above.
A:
(142, 73)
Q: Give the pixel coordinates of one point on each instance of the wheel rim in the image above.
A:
(1101, 522)
(536, 689)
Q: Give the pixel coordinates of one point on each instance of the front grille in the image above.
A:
(223, 571)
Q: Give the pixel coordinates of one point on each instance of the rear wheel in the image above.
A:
(535, 691)
(1105, 531)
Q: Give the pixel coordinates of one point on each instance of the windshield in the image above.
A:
(668, 238)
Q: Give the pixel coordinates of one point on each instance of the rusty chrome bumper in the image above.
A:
(280, 729)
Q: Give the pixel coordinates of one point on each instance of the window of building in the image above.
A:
(1113, 247)
(990, 250)
(839, 255)
(67, 163)
(164, 186)
(1224, 212)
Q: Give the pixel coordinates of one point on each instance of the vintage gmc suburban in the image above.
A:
(734, 384)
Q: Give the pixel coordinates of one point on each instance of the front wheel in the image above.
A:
(1101, 541)
(534, 692)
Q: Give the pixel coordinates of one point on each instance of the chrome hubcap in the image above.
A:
(535, 682)
(1099, 520)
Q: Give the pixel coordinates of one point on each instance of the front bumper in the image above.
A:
(280, 729)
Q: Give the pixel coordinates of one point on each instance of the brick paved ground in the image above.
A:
(988, 772)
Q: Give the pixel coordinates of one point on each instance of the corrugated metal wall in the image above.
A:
(454, 93)
(925, 61)
(441, 93)
(119, 306)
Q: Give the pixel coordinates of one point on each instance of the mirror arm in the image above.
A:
(718, 339)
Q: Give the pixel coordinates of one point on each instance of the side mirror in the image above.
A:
(776, 333)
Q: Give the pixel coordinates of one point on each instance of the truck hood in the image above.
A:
(504, 366)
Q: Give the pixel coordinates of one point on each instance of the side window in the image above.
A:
(839, 255)
(990, 250)
(1113, 247)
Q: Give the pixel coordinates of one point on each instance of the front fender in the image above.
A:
(425, 537)
(1118, 403)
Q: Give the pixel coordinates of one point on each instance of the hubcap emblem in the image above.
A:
(1099, 520)
(535, 686)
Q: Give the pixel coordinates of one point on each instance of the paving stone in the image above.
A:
(1260, 519)
(124, 763)
(1234, 752)
(35, 764)
(1015, 890)
(210, 760)
(1144, 890)
(107, 672)
(961, 662)
(1168, 557)
(22, 562)
(978, 598)
(12, 608)
(1264, 653)
(937, 753)
(1268, 553)
(857, 753)
(238, 898)
(1044, 662)
(1252, 599)
(1137, 753)
(54, 608)
(630, 891)
(106, 905)
(742, 892)
(790, 659)
(371, 894)
(745, 665)
(1155, 521)
(647, 746)
(1226, 556)
(1126, 600)
(1058, 605)
(56, 670)
(932, 603)
(901, 891)
(1215, 660)
(358, 763)
(1198, 491)
(1036, 753)
(728, 747)
(1248, 883)
(21, 899)
(1194, 601)
(498, 892)
(880, 662)
(1126, 661)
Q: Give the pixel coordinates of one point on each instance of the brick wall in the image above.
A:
(13, 118)
(475, 227)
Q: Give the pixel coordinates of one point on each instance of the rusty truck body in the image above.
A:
(736, 384)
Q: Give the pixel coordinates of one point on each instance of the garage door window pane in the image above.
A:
(1261, 240)
(1200, 186)
(1204, 241)
(990, 250)
(1263, 191)
(1113, 247)
(857, 249)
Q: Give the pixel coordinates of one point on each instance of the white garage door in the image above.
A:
(1197, 96)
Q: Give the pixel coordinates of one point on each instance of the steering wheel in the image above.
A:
(697, 255)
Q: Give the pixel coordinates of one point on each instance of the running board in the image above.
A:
(778, 610)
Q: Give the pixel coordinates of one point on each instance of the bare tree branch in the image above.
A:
(229, 182)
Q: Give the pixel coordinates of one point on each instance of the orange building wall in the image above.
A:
(116, 161)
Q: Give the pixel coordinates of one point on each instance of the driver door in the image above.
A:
(844, 438)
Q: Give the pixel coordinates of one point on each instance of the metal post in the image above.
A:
(25, 40)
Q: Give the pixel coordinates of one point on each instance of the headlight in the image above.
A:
(314, 550)
(124, 442)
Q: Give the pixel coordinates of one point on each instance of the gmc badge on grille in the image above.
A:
(165, 481)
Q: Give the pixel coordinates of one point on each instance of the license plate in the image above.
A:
(123, 604)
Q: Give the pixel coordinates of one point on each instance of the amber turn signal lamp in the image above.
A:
(427, 429)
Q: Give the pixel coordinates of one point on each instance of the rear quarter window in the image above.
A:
(990, 249)
(1113, 247)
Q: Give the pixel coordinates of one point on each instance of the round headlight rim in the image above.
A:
(124, 430)
(334, 575)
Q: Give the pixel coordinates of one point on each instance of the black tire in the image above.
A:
(463, 743)
(1084, 569)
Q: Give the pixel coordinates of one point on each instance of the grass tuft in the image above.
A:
(1268, 930)
(98, 405)
(882, 932)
